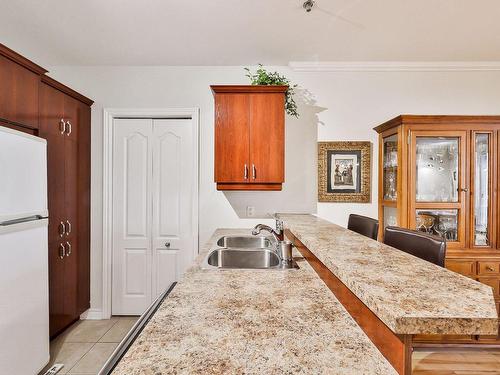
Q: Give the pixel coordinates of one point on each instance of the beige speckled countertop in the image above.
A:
(409, 295)
(252, 322)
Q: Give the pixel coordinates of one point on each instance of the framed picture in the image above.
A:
(344, 172)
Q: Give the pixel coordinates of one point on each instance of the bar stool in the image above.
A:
(364, 225)
(424, 246)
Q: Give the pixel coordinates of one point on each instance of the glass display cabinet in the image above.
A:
(440, 175)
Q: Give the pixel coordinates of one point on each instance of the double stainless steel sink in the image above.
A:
(245, 252)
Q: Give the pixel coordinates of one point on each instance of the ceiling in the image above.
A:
(240, 32)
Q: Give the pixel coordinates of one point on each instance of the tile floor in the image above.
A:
(85, 346)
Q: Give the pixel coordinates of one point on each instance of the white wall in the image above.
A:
(334, 106)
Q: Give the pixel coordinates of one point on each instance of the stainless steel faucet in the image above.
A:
(263, 227)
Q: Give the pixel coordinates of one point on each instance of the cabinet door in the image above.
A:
(438, 180)
(18, 94)
(231, 138)
(83, 219)
(267, 136)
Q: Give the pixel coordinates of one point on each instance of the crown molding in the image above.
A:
(393, 66)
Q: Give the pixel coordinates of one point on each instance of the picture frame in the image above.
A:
(344, 172)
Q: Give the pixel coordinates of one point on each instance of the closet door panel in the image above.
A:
(132, 215)
(173, 166)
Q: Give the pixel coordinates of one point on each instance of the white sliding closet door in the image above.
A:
(152, 209)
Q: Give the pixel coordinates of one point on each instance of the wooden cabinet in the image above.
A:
(34, 103)
(65, 123)
(19, 79)
(440, 174)
(249, 137)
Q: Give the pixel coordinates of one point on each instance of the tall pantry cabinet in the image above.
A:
(34, 103)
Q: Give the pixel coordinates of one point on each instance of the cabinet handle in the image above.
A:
(167, 244)
(245, 173)
(489, 268)
(254, 172)
(68, 131)
(62, 126)
(68, 231)
(62, 229)
(68, 252)
(62, 251)
(465, 190)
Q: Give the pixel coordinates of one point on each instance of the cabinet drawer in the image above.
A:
(494, 282)
(463, 267)
(488, 268)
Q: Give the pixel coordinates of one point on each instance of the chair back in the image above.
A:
(364, 225)
(424, 246)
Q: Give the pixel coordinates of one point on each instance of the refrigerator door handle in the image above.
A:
(20, 220)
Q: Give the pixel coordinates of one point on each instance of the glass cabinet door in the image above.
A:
(390, 167)
(481, 193)
(438, 184)
(437, 169)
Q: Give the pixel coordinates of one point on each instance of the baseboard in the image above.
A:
(92, 314)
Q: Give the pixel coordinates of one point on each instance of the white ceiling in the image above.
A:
(240, 32)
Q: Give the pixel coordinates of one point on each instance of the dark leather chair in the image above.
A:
(364, 225)
(424, 246)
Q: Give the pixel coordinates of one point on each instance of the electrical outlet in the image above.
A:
(250, 211)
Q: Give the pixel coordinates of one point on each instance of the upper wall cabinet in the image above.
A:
(249, 137)
(19, 79)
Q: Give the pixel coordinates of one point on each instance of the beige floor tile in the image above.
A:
(87, 330)
(66, 353)
(119, 330)
(93, 361)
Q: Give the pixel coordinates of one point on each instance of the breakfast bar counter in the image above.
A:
(410, 295)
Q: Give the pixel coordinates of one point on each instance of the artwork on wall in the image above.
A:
(344, 172)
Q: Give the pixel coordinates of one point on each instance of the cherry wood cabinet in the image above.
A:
(19, 79)
(440, 174)
(34, 103)
(249, 137)
(65, 123)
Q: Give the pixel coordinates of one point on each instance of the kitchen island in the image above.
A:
(251, 322)
(290, 322)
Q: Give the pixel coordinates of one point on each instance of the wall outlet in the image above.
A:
(250, 211)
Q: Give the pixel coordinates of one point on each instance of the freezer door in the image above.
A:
(23, 175)
(24, 302)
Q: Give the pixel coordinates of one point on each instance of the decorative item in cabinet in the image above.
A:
(390, 167)
(249, 137)
(447, 174)
(344, 172)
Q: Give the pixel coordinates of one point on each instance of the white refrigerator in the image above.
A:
(24, 292)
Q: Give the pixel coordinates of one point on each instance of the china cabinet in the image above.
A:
(440, 175)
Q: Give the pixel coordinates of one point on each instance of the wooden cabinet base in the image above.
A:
(246, 186)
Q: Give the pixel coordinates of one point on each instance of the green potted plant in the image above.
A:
(264, 77)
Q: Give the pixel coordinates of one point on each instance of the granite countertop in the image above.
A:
(251, 322)
(409, 295)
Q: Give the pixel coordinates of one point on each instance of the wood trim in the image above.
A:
(21, 60)
(249, 186)
(217, 89)
(396, 349)
(450, 120)
(65, 89)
